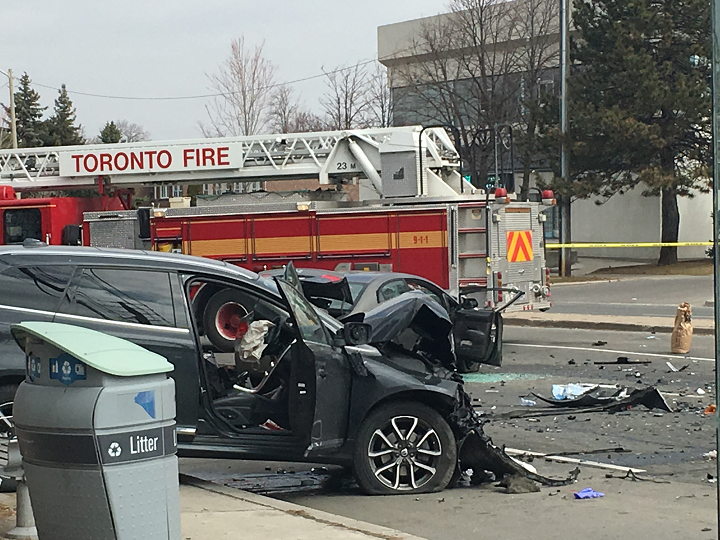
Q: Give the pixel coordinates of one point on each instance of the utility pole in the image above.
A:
(715, 18)
(565, 226)
(13, 123)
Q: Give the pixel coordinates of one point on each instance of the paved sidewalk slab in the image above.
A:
(703, 327)
(218, 512)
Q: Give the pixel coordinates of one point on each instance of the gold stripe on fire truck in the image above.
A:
(378, 242)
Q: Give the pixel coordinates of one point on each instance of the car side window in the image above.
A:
(435, 295)
(391, 289)
(35, 287)
(311, 329)
(22, 223)
(132, 296)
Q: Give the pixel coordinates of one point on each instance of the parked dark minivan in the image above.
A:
(296, 385)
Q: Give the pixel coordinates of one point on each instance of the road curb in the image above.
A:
(600, 325)
(324, 518)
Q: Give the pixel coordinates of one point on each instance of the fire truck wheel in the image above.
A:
(225, 319)
(402, 448)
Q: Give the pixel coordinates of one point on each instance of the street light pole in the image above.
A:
(13, 123)
(565, 230)
(715, 18)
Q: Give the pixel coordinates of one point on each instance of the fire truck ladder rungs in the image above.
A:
(261, 157)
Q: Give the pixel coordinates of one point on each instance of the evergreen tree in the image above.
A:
(28, 114)
(110, 133)
(61, 128)
(640, 102)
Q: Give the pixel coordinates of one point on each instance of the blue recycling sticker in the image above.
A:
(147, 401)
(67, 369)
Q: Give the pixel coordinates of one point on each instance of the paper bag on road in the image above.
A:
(681, 339)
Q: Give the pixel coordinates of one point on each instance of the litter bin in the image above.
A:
(95, 419)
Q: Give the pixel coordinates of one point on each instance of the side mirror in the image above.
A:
(468, 303)
(356, 333)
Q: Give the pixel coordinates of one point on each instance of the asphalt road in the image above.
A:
(656, 296)
(678, 503)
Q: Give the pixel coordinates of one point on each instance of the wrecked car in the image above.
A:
(476, 332)
(285, 382)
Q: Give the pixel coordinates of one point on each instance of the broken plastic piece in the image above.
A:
(588, 493)
(623, 360)
(710, 409)
(527, 402)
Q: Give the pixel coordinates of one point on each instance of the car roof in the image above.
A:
(42, 254)
(353, 276)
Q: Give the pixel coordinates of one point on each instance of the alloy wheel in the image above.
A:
(404, 453)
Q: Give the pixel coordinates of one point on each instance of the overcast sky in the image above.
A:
(163, 48)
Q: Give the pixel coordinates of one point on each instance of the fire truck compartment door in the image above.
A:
(320, 379)
(478, 336)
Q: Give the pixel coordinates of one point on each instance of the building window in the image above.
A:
(206, 189)
(552, 224)
(177, 191)
(162, 192)
(237, 187)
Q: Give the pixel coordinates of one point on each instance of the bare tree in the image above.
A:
(539, 25)
(283, 110)
(468, 69)
(287, 115)
(306, 121)
(345, 103)
(246, 82)
(380, 109)
(132, 132)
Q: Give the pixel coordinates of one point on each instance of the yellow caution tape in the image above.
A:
(626, 244)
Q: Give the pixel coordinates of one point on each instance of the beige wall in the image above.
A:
(695, 224)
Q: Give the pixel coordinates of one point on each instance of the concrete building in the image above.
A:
(630, 217)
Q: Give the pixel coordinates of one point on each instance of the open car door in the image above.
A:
(478, 338)
(320, 378)
(478, 334)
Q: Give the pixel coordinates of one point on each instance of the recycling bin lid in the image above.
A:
(105, 353)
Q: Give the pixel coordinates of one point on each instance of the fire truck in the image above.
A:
(416, 213)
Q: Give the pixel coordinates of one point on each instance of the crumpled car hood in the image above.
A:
(418, 312)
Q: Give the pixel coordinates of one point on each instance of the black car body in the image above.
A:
(476, 332)
(313, 392)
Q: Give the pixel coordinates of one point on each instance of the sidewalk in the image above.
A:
(703, 327)
(211, 511)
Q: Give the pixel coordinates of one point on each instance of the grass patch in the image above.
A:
(699, 267)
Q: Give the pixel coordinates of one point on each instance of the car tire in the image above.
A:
(7, 428)
(404, 448)
(223, 319)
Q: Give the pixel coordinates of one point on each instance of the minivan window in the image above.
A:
(133, 296)
(38, 287)
(22, 223)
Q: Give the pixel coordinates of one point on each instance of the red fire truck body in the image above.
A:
(389, 238)
(464, 245)
(54, 220)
